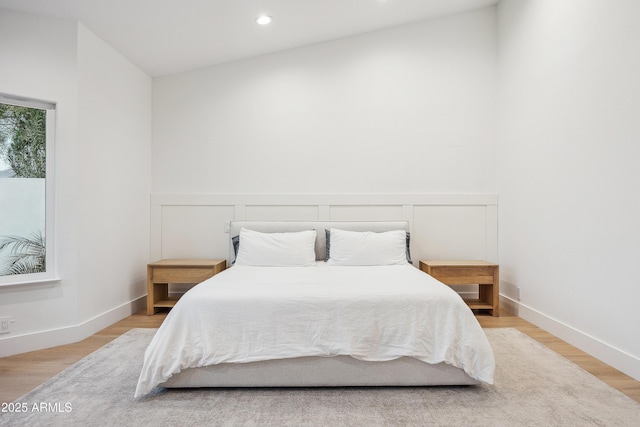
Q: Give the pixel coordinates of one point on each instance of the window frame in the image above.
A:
(50, 275)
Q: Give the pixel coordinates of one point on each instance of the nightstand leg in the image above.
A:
(487, 294)
(150, 308)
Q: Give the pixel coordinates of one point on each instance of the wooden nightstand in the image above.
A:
(161, 273)
(482, 273)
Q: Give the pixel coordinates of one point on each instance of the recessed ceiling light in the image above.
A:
(264, 19)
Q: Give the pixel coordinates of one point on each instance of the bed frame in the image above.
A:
(338, 371)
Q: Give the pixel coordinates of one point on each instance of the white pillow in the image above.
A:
(367, 247)
(276, 249)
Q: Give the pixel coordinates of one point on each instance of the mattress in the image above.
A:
(377, 313)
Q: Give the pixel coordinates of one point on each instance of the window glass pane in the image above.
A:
(23, 165)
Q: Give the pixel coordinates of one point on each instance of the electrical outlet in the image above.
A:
(6, 324)
(518, 293)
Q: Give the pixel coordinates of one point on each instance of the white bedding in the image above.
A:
(380, 313)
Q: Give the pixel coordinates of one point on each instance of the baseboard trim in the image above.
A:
(71, 334)
(618, 359)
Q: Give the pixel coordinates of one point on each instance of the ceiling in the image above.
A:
(171, 36)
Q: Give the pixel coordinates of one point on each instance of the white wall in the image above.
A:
(114, 133)
(406, 110)
(60, 61)
(568, 170)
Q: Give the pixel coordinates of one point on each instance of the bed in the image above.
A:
(318, 304)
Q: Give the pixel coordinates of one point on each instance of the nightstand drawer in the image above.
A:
(463, 275)
(181, 275)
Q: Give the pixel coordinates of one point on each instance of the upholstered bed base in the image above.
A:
(338, 371)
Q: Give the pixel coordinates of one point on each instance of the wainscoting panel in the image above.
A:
(194, 231)
(443, 226)
(366, 213)
(281, 213)
(449, 232)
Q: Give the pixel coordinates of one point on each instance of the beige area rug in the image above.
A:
(533, 387)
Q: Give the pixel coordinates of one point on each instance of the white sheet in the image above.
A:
(380, 313)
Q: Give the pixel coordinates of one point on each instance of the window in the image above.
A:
(26, 191)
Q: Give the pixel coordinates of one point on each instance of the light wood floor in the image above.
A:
(21, 373)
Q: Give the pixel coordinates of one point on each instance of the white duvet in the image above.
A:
(248, 314)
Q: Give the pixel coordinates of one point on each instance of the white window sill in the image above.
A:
(28, 282)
